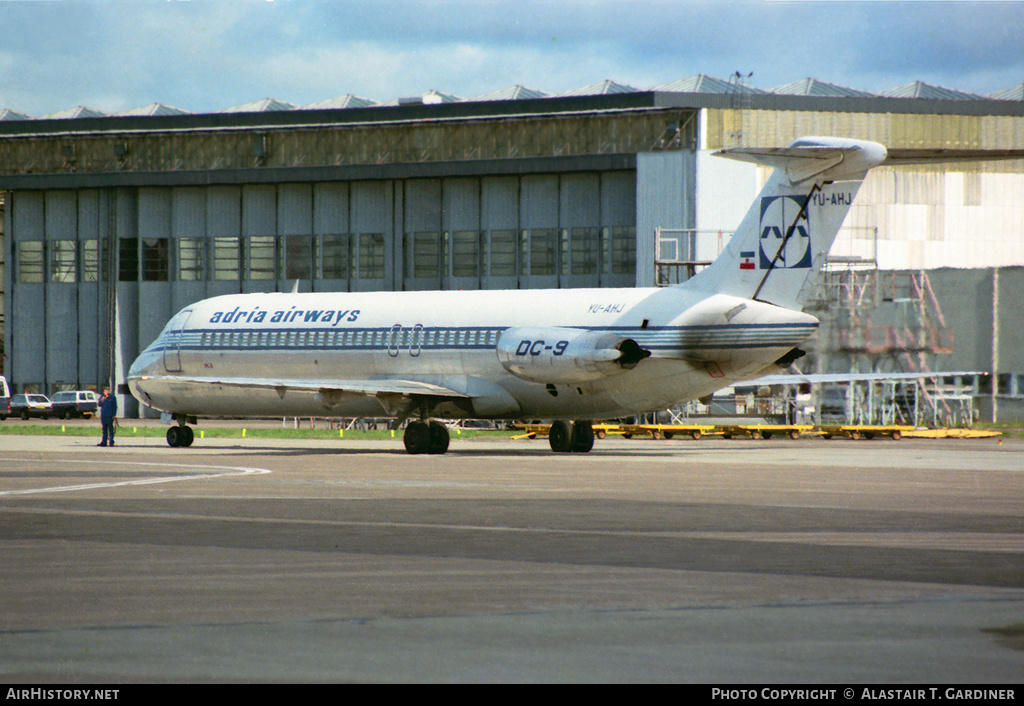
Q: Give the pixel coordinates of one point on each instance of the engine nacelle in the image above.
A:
(566, 355)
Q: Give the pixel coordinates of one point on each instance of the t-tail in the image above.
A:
(781, 244)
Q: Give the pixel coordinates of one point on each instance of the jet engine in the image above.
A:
(566, 355)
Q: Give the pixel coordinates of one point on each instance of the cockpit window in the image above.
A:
(177, 321)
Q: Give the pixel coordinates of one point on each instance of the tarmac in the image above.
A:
(716, 562)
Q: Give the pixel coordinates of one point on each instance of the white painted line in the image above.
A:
(206, 473)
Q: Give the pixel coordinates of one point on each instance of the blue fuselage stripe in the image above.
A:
(659, 338)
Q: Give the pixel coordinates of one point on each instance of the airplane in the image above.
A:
(569, 355)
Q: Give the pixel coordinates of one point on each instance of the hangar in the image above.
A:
(112, 223)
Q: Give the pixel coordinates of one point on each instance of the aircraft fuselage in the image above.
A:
(511, 354)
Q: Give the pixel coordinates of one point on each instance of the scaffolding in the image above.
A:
(680, 253)
(872, 322)
(875, 322)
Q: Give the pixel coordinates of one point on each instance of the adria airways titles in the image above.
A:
(567, 355)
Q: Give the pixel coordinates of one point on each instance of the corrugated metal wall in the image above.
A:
(666, 193)
(927, 220)
(57, 331)
(918, 217)
(726, 189)
(770, 128)
(164, 248)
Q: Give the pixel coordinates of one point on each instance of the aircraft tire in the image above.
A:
(584, 437)
(439, 438)
(174, 436)
(561, 436)
(417, 438)
(187, 436)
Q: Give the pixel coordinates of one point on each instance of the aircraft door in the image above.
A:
(172, 346)
(416, 344)
(395, 340)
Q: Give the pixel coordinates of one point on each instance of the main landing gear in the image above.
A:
(180, 435)
(571, 437)
(426, 437)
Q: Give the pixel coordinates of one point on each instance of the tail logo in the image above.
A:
(778, 215)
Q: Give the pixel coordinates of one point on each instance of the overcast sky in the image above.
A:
(207, 55)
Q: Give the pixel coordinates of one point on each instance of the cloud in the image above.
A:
(207, 55)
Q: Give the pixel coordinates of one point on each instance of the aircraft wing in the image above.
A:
(798, 378)
(394, 395)
(361, 387)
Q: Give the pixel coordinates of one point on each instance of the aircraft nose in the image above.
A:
(143, 365)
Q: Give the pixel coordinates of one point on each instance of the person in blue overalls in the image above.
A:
(108, 410)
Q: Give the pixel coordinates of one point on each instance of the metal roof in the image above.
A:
(512, 93)
(704, 91)
(346, 101)
(602, 88)
(920, 89)
(8, 114)
(1013, 93)
(702, 83)
(814, 87)
(267, 105)
(79, 111)
(154, 109)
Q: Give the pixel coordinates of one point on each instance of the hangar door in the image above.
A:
(535, 231)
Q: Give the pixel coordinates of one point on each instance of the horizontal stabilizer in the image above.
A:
(814, 159)
(800, 163)
(897, 157)
(824, 157)
(781, 156)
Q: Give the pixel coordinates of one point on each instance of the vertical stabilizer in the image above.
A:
(781, 244)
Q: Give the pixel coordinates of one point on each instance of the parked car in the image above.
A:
(74, 403)
(5, 398)
(31, 405)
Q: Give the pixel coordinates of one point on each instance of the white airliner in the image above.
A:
(567, 355)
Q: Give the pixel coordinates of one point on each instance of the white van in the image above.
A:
(5, 398)
(74, 403)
